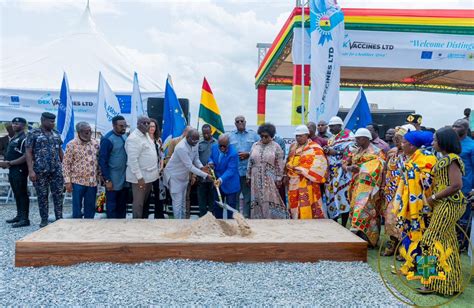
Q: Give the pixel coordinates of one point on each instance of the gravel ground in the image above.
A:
(179, 283)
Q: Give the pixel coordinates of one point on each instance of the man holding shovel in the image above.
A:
(224, 160)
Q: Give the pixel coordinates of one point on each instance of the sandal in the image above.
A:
(389, 249)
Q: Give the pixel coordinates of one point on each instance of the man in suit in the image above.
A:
(224, 160)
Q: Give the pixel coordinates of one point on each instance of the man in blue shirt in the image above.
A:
(113, 165)
(225, 161)
(467, 155)
(242, 139)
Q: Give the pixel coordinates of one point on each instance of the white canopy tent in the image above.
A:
(30, 82)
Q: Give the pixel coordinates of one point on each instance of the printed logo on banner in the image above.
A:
(348, 43)
(14, 100)
(326, 22)
(45, 99)
(456, 56)
(426, 55)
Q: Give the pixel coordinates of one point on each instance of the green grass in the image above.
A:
(466, 299)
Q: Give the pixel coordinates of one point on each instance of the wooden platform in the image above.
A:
(68, 242)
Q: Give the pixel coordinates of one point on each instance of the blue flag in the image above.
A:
(65, 113)
(174, 121)
(359, 116)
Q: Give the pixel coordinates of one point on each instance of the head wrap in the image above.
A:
(402, 130)
(419, 138)
(414, 118)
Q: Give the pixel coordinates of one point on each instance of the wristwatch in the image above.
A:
(433, 197)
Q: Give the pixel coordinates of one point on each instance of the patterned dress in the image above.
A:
(392, 178)
(410, 201)
(336, 190)
(365, 192)
(440, 237)
(306, 168)
(266, 165)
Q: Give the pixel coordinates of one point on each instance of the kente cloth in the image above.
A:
(395, 162)
(365, 192)
(306, 169)
(410, 206)
(336, 189)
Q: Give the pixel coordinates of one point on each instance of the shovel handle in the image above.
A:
(213, 176)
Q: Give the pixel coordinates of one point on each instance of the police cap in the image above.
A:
(48, 115)
(19, 120)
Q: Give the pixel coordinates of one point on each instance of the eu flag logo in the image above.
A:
(426, 55)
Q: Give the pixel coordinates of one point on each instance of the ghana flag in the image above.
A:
(209, 111)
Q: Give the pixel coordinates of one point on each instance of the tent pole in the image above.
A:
(302, 64)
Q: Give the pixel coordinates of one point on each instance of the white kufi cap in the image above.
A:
(363, 132)
(301, 130)
(336, 121)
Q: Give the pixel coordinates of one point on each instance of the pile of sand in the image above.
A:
(208, 225)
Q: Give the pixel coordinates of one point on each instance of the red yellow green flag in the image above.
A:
(209, 111)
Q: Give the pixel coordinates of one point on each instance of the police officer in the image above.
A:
(15, 161)
(44, 156)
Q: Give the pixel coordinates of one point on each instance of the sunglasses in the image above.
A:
(222, 146)
(240, 121)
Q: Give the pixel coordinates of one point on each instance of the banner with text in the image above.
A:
(407, 50)
(29, 104)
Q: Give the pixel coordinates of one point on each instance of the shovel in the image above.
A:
(244, 227)
(221, 203)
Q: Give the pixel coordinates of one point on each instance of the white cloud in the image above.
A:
(205, 39)
(51, 6)
(407, 4)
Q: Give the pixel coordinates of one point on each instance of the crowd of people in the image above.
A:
(415, 182)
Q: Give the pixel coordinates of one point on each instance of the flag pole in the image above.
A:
(302, 65)
(97, 103)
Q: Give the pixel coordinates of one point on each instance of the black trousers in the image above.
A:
(116, 203)
(159, 204)
(19, 183)
(205, 191)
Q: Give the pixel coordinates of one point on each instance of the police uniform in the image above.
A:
(46, 147)
(18, 175)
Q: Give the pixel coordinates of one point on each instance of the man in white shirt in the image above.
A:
(184, 160)
(142, 164)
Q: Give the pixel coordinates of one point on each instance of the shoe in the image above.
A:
(21, 223)
(43, 223)
(400, 258)
(13, 220)
(424, 290)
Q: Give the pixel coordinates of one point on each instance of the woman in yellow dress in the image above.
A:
(306, 169)
(413, 190)
(448, 204)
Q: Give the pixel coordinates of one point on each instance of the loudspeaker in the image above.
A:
(155, 108)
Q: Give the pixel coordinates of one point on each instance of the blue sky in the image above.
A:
(216, 39)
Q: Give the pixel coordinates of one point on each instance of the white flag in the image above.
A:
(107, 106)
(136, 102)
(327, 35)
